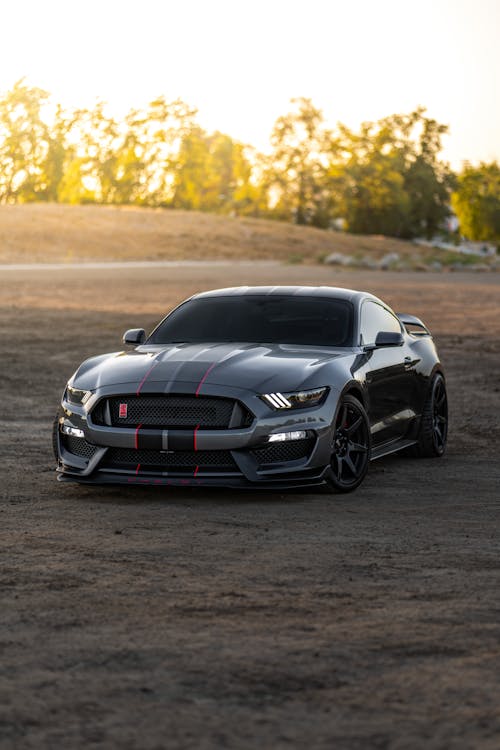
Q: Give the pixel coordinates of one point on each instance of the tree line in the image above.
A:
(388, 177)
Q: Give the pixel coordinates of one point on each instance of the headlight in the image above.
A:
(77, 396)
(295, 400)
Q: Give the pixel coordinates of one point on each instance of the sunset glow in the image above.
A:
(240, 63)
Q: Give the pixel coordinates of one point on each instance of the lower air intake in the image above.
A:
(289, 450)
(172, 461)
(79, 446)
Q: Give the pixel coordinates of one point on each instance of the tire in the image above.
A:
(351, 446)
(434, 422)
(55, 428)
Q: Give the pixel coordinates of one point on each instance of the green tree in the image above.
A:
(59, 158)
(132, 161)
(297, 167)
(96, 136)
(428, 180)
(24, 138)
(75, 186)
(374, 198)
(150, 149)
(387, 178)
(213, 173)
(476, 202)
(393, 180)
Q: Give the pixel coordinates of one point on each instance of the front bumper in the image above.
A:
(240, 457)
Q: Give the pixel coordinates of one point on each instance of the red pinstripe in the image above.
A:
(204, 378)
(145, 378)
(137, 436)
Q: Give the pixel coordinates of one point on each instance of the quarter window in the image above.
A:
(375, 318)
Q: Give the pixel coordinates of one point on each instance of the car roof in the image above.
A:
(350, 295)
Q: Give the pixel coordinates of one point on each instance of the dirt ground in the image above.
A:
(141, 618)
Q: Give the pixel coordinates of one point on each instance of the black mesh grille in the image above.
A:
(98, 412)
(247, 417)
(174, 460)
(289, 450)
(173, 411)
(79, 446)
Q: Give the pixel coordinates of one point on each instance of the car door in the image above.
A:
(388, 374)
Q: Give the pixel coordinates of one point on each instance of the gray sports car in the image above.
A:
(273, 387)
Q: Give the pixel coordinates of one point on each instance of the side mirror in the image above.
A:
(389, 338)
(134, 336)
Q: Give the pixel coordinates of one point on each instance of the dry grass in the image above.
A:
(57, 233)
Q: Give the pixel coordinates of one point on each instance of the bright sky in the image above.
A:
(240, 62)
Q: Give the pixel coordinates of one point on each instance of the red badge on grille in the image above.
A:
(122, 413)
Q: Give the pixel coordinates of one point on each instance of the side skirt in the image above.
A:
(392, 447)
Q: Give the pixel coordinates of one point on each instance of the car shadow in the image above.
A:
(221, 496)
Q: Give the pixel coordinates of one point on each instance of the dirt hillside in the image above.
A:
(58, 233)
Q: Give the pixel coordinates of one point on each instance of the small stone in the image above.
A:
(338, 259)
(388, 260)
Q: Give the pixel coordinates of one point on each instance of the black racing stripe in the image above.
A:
(149, 439)
(181, 440)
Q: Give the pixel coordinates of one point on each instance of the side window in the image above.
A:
(375, 318)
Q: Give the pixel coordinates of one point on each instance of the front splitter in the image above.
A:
(235, 482)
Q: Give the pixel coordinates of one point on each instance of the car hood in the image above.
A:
(260, 368)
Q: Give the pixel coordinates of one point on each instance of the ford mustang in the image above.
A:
(273, 387)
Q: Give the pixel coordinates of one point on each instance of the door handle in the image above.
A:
(409, 363)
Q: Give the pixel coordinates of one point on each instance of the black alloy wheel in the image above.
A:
(351, 446)
(434, 424)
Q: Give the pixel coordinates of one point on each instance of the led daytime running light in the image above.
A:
(281, 437)
(68, 429)
(277, 400)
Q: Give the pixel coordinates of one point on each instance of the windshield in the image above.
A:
(278, 319)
